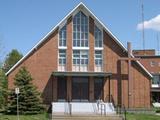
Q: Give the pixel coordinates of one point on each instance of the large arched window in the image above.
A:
(80, 30)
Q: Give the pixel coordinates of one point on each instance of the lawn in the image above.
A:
(24, 117)
(142, 117)
(45, 117)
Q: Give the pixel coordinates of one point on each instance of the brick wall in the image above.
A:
(153, 68)
(43, 61)
(140, 89)
(143, 52)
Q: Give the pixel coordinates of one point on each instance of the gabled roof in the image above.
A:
(82, 7)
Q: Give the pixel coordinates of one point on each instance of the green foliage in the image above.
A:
(29, 98)
(12, 58)
(3, 90)
(25, 117)
(131, 116)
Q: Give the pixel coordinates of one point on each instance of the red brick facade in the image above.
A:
(44, 60)
(152, 63)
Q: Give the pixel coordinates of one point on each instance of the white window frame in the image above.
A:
(98, 58)
(152, 63)
(100, 29)
(62, 66)
(80, 47)
(64, 39)
(62, 58)
(157, 81)
(80, 65)
(98, 67)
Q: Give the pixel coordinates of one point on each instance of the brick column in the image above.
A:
(55, 88)
(91, 44)
(69, 88)
(69, 45)
(91, 89)
(105, 88)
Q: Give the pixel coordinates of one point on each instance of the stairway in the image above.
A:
(83, 111)
(83, 108)
(60, 108)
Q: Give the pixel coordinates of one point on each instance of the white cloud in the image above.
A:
(153, 24)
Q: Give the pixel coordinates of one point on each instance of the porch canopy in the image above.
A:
(84, 74)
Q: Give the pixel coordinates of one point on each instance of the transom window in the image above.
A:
(62, 57)
(80, 30)
(80, 57)
(98, 37)
(62, 36)
(98, 58)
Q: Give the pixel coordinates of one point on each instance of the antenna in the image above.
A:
(158, 44)
(143, 35)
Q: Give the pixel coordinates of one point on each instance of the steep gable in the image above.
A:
(84, 9)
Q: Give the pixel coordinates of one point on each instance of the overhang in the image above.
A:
(155, 89)
(84, 74)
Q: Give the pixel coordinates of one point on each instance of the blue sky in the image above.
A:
(24, 22)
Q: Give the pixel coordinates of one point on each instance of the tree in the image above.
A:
(12, 58)
(3, 90)
(29, 98)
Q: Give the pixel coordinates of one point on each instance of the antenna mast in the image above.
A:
(158, 44)
(143, 35)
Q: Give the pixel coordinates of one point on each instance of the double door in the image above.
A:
(80, 88)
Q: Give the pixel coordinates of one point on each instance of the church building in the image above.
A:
(81, 60)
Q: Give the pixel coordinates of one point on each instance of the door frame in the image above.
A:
(65, 89)
(81, 100)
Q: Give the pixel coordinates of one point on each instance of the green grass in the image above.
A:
(44, 116)
(25, 117)
(142, 117)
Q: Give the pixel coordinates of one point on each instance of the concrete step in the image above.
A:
(89, 117)
(60, 107)
(82, 107)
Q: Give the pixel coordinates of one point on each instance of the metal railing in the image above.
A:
(109, 98)
(120, 109)
(102, 107)
(69, 105)
(70, 108)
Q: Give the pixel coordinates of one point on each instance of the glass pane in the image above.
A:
(98, 37)
(78, 35)
(62, 36)
(60, 61)
(64, 61)
(81, 28)
(78, 43)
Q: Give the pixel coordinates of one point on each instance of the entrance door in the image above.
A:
(80, 89)
(98, 88)
(62, 88)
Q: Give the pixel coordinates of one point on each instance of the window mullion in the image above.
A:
(80, 31)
